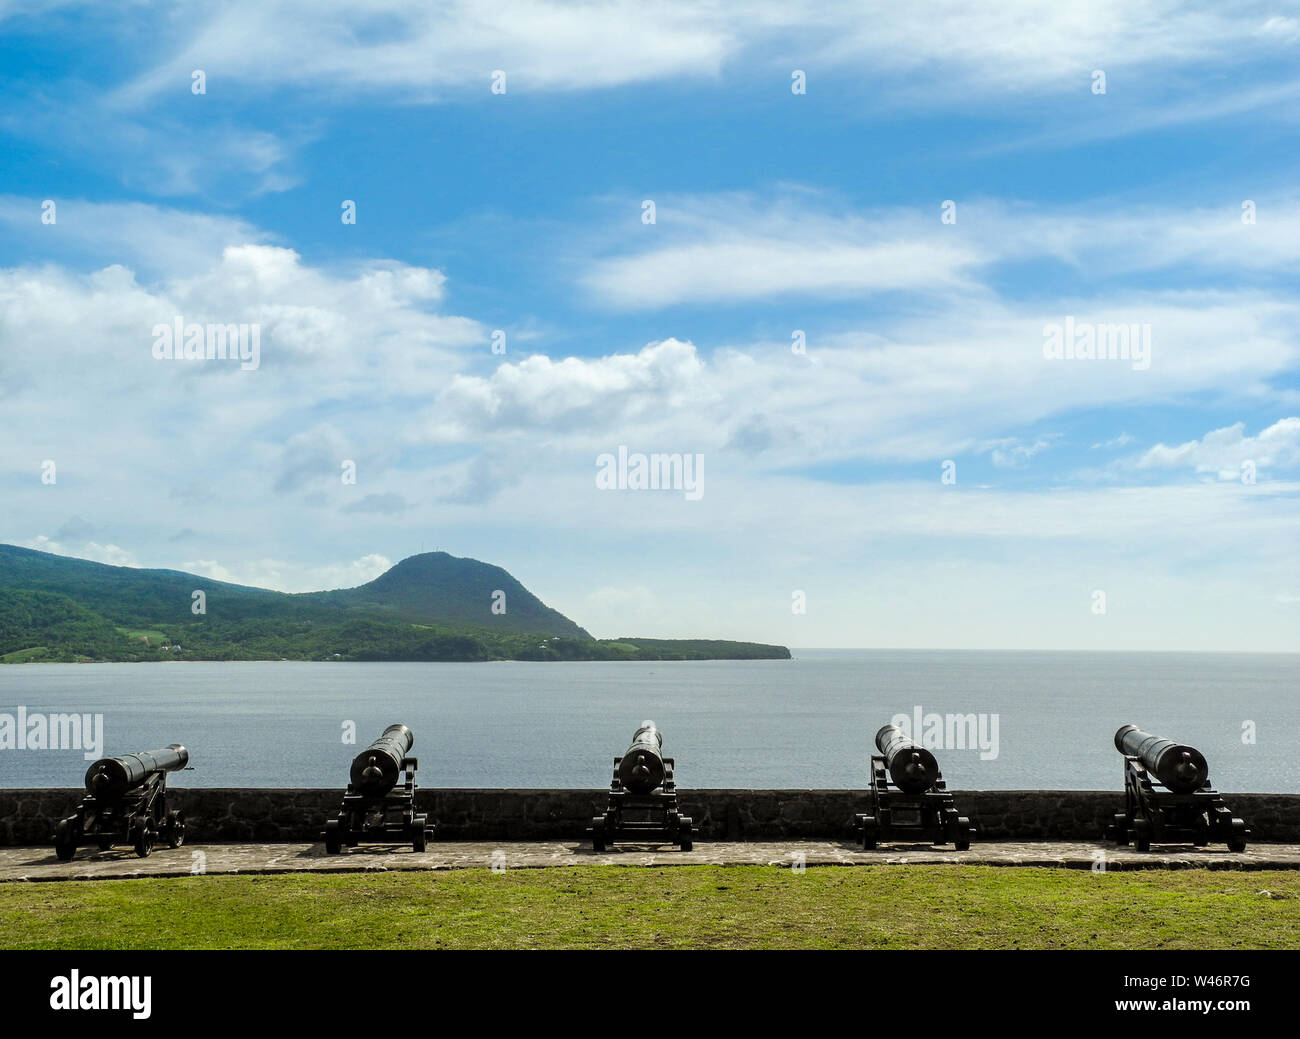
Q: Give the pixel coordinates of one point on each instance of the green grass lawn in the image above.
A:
(23, 656)
(967, 907)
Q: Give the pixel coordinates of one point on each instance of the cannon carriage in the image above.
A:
(379, 804)
(1168, 798)
(643, 806)
(916, 806)
(126, 803)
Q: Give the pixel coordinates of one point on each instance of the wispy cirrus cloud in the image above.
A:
(738, 247)
(1172, 63)
(945, 49)
(150, 239)
(746, 246)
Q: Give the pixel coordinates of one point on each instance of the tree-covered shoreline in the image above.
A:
(59, 610)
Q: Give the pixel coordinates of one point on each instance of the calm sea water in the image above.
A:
(807, 722)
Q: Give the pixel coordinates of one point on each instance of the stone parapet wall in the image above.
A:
(239, 815)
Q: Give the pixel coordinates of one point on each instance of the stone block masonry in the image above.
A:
(218, 815)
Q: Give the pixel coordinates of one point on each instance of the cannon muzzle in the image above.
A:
(376, 769)
(109, 778)
(641, 769)
(1179, 767)
(911, 766)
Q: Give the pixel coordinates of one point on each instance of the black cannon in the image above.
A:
(126, 803)
(643, 805)
(916, 806)
(1168, 798)
(375, 808)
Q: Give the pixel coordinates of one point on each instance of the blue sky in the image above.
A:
(774, 212)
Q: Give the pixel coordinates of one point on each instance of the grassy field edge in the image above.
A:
(960, 907)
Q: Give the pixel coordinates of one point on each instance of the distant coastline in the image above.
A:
(433, 607)
(650, 650)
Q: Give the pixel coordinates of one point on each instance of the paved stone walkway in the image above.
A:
(39, 864)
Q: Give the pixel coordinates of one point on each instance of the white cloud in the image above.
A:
(538, 392)
(1223, 451)
(113, 555)
(282, 576)
(150, 152)
(358, 572)
(1123, 440)
(433, 52)
(325, 334)
(912, 391)
(149, 239)
(1011, 452)
(1180, 61)
(367, 345)
(1282, 28)
(430, 52)
(110, 554)
(209, 568)
(739, 247)
(1023, 45)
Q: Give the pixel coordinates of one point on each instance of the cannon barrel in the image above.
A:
(912, 767)
(1179, 767)
(376, 769)
(110, 778)
(641, 769)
